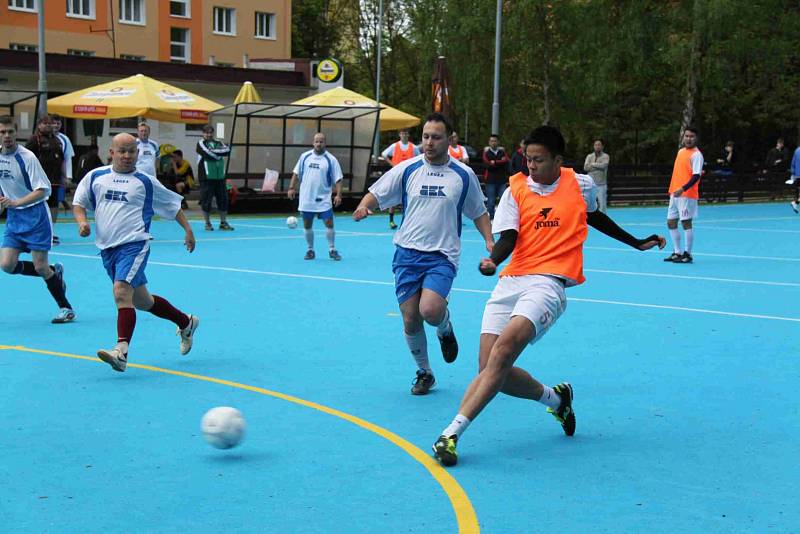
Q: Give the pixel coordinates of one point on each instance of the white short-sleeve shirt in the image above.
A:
(148, 154)
(506, 216)
(317, 173)
(124, 204)
(433, 198)
(21, 173)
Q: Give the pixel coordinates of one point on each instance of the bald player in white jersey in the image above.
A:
(124, 201)
(434, 190)
(24, 190)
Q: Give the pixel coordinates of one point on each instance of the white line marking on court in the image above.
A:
(705, 278)
(201, 240)
(460, 290)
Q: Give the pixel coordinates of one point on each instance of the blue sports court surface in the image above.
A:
(685, 377)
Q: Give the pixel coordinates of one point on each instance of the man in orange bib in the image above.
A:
(456, 151)
(542, 219)
(397, 153)
(684, 190)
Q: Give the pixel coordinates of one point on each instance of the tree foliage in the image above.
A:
(624, 71)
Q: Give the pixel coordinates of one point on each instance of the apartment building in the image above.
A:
(209, 32)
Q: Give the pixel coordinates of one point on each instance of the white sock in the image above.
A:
(330, 233)
(689, 239)
(444, 328)
(550, 398)
(457, 427)
(418, 345)
(676, 240)
(310, 238)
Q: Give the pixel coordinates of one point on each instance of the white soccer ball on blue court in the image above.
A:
(291, 221)
(223, 427)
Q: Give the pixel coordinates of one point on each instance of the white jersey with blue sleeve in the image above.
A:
(317, 173)
(433, 197)
(21, 173)
(124, 204)
(69, 153)
(148, 154)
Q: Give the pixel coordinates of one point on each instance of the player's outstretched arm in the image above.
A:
(502, 249)
(365, 207)
(604, 223)
(79, 212)
(188, 239)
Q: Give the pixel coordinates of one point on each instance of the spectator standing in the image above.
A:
(518, 163)
(47, 149)
(496, 160)
(211, 172)
(397, 153)
(456, 151)
(148, 151)
(596, 166)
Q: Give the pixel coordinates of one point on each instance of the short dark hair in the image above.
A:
(208, 128)
(549, 137)
(596, 139)
(56, 117)
(692, 129)
(438, 117)
(43, 118)
(8, 119)
(495, 136)
(178, 152)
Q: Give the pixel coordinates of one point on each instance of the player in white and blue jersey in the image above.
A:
(24, 189)
(318, 172)
(147, 151)
(435, 190)
(124, 201)
(69, 153)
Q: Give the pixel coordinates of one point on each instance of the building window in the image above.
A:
(179, 45)
(225, 20)
(23, 5)
(265, 25)
(131, 57)
(132, 11)
(75, 52)
(180, 8)
(82, 9)
(23, 47)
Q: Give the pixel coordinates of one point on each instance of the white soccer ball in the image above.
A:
(223, 427)
(291, 221)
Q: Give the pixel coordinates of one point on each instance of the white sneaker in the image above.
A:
(790, 181)
(117, 359)
(187, 334)
(794, 206)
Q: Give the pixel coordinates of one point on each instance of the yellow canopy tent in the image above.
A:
(248, 94)
(136, 96)
(391, 118)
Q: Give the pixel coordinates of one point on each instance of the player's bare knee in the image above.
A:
(431, 312)
(8, 266)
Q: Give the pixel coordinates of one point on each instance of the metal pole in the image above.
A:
(42, 70)
(496, 99)
(376, 142)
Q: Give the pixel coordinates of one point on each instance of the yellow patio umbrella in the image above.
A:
(136, 96)
(391, 118)
(248, 94)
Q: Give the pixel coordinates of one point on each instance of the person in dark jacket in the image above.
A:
(496, 160)
(47, 148)
(211, 172)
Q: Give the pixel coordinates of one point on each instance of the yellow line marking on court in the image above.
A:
(465, 514)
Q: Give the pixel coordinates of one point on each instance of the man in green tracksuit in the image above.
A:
(211, 173)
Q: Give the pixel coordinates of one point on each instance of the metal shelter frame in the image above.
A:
(264, 135)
